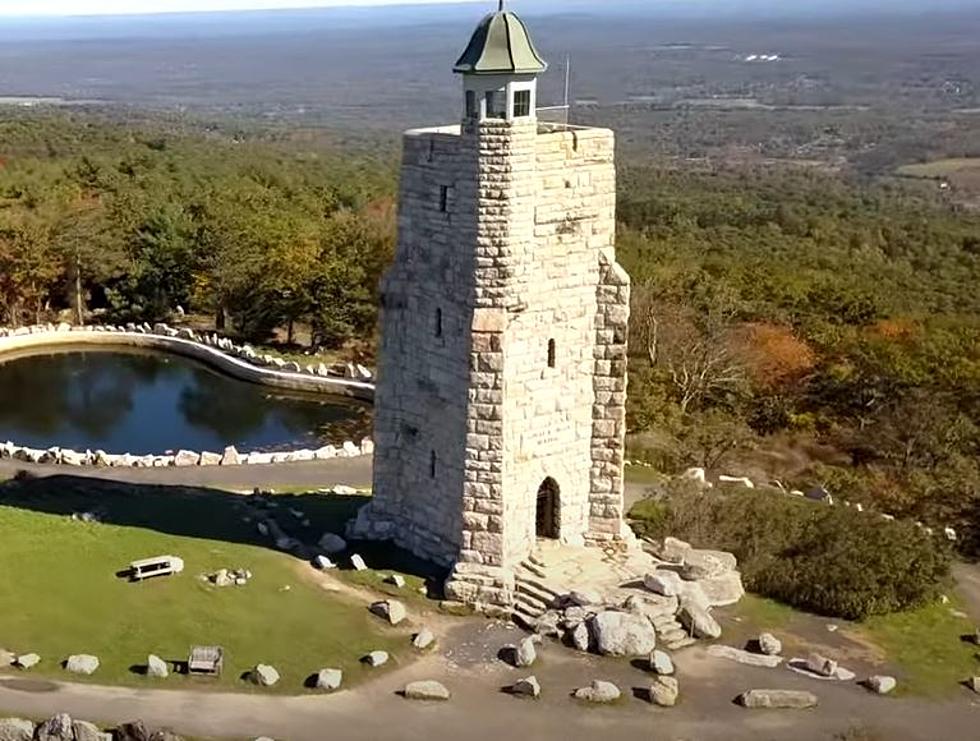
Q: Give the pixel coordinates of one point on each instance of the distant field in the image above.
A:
(942, 168)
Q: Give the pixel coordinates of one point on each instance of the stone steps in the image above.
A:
(530, 604)
(524, 619)
(538, 591)
(534, 568)
(679, 644)
(674, 634)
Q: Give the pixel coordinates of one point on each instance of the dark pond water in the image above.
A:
(139, 402)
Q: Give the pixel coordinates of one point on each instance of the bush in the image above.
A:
(830, 560)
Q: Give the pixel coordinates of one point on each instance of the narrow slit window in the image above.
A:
(522, 103)
(444, 198)
(551, 353)
(432, 464)
(438, 325)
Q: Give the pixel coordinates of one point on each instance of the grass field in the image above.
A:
(59, 594)
(940, 168)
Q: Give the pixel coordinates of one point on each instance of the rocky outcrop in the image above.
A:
(622, 634)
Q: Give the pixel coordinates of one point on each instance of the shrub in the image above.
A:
(829, 560)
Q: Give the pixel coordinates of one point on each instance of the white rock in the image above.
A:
(622, 634)
(580, 637)
(350, 450)
(367, 446)
(264, 675)
(16, 729)
(343, 491)
(186, 458)
(770, 645)
(698, 621)
(82, 664)
(396, 580)
(323, 563)
(598, 691)
(231, 457)
(376, 658)
(329, 679)
(787, 699)
(744, 657)
(426, 690)
(156, 667)
(210, 459)
(821, 665)
(357, 563)
(666, 583)
(423, 639)
(881, 684)
(663, 692)
(325, 453)
(27, 661)
(661, 663)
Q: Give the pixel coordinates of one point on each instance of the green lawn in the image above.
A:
(926, 646)
(939, 168)
(59, 593)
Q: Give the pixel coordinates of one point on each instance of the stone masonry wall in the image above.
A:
(506, 232)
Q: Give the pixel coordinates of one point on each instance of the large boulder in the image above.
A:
(264, 675)
(156, 667)
(56, 728)
(523, 654)
(134, 730)
(664, 691)
(664, 582)
(376, 658)
(27, 661)
(821, 665)
(210, 459)
(426, 690)
(698, 564)
(698, 621)
(16, 729)
(622, 634)
(329, 679)
(790, 699)
(579, 637)
(599, 691)
(723, 590)
(82, 664)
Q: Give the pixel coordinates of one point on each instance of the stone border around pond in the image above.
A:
(241, 362)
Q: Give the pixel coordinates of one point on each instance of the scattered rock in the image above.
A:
(27, 661)
(598, 691)
(323, 563)
(790, 699)
(344, 491)
(156, 667)
(664, 691)
(391, 610)
(584, 597)
(329, 679)
(770, 645)
(264, 675)
(426, 690)
(529, 687)
(802, 666)
(744, 657)
(423, 639)
(580, 637)
(376, 658)
(231, 457)
(396, 580)
(357, 563)
(132, 731)
(821, 665)
(661, 663)
(523, 654)
(210, 459)
(701, 564)
(723, 590)
(974, 684)
(16, 729)
(82, 664)
(332, 543)
(622, 634)
(881, 684)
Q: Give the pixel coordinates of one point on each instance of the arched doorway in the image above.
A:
(546, 520)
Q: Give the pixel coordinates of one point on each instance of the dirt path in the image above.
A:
(479, 710)
(967, 577)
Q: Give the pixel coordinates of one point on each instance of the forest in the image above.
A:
(811, 327)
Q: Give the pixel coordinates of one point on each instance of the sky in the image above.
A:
(120, 7)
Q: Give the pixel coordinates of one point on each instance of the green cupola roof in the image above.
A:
(501, 45)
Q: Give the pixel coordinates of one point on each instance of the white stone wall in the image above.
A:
(522, 254)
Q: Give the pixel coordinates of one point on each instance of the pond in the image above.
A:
(140, 402)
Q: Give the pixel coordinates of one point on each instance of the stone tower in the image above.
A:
(500, 405)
